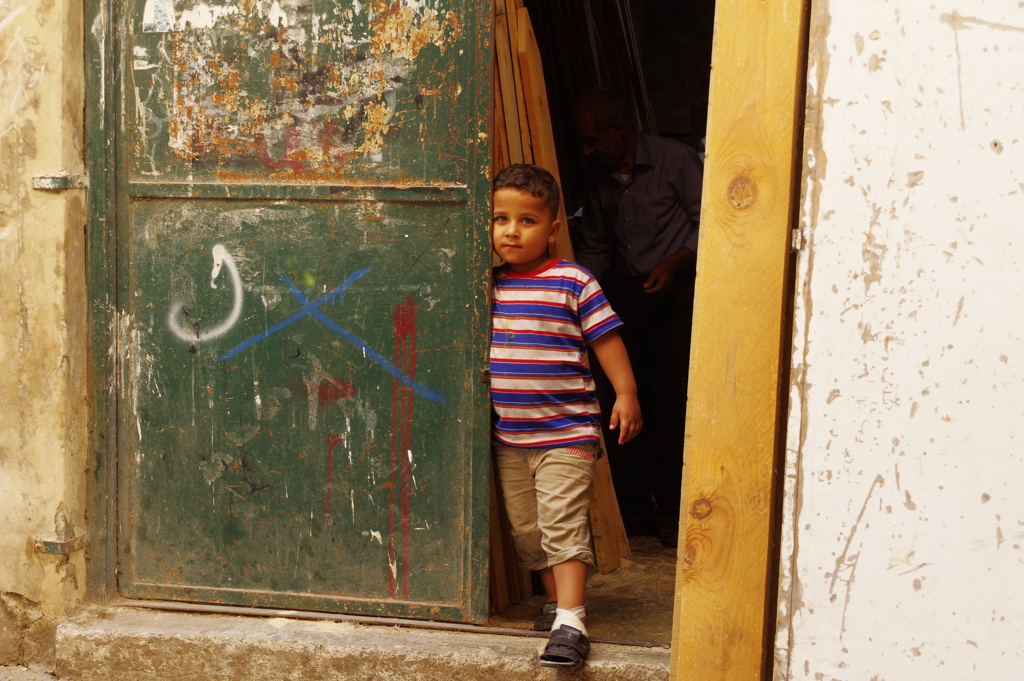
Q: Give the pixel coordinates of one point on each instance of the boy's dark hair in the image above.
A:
(532, 180)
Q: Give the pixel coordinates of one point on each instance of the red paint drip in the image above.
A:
(332, 441)
(405, 319)
(331, 391)
(401, 439)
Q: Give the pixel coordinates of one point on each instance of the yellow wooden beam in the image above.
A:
(723, 619)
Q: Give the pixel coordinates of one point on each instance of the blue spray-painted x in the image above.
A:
(313, 309)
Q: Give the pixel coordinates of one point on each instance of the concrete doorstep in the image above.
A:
(134, 644)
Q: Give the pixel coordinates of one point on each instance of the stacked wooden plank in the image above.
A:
(523, 134)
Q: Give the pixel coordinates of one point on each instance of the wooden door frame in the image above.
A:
(726, 574)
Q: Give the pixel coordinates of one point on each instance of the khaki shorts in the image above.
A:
(547, 496)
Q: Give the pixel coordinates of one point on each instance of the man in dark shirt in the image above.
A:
(639, 239)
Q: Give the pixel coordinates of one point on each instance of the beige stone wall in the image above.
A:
(43, 427)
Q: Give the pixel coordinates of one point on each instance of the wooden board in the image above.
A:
(538, 117)
(512, 12)
(506, 88)
(722, 604)
(510, 582)
(610, 544)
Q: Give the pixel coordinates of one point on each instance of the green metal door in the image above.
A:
(301, 204)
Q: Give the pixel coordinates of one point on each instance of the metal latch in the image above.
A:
(68, 539)
(57, 182)
(61, 547)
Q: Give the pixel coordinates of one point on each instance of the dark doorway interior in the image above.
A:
(656, 54)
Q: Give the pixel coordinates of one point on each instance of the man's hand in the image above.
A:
(664, 273)
(660, 278)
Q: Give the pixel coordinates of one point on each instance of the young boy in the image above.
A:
(544, 314)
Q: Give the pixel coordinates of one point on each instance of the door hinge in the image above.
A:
(797, 239)
(485, 377)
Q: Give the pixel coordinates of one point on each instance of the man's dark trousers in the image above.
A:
(656, 330)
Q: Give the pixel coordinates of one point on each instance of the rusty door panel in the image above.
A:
(301, 91)
(302, 249)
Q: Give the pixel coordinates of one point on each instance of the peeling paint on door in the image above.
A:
(287, 90)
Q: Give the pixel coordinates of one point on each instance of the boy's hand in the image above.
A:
(626, 418)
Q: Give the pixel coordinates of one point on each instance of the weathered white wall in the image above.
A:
(905, 461)
(42, 324)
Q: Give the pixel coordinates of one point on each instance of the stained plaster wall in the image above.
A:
(42, 319)
(904, 519)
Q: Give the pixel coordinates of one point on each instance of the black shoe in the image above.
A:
(668, 534)
(547, 617)
(567, 647)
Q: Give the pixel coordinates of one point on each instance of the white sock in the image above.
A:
(572, 617)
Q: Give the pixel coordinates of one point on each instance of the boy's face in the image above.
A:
(522, 228)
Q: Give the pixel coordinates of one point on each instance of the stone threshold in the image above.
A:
(133, 643)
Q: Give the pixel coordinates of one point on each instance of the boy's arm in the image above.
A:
(611, 353)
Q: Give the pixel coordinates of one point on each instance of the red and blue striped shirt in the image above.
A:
(541, 323)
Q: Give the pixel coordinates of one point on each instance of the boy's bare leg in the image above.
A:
(547, 579)
(570, 580)
(568, 644)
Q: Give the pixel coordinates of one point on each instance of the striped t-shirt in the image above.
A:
(541, 322)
